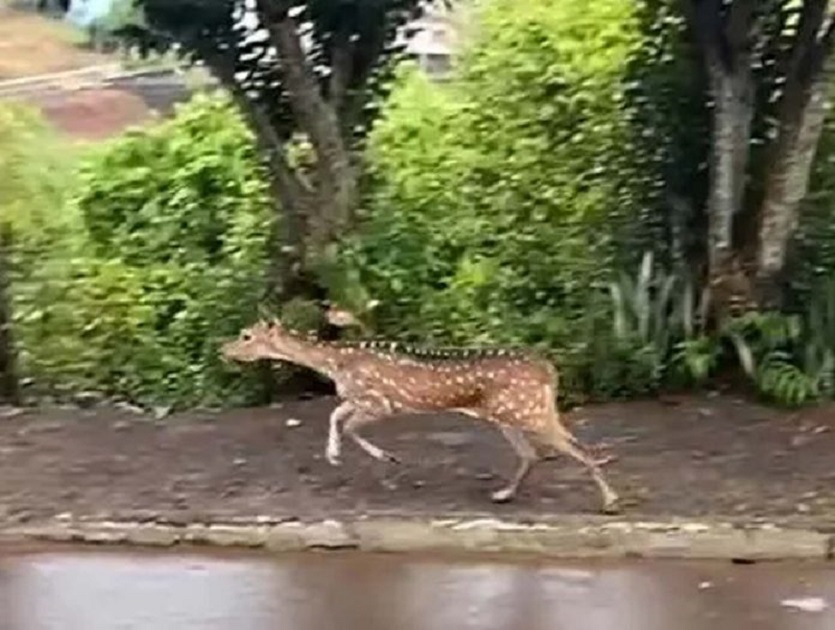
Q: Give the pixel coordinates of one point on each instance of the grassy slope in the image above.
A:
(31, 44)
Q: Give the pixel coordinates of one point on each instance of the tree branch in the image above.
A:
(821, 52)
(705, 20)
(806, 63)
(353, 104)
(738, 24)
(335, 180)
(806, 41)
(316, 117)
(783, 56)
(287, 187)
(259, 121)
(342, 62)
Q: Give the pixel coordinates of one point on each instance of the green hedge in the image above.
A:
(498, 199)
(166, 257)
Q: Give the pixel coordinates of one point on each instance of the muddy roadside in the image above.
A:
(692, 457)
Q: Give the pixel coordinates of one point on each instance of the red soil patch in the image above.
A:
(94, 114)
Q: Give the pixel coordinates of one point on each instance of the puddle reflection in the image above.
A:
(103, 591)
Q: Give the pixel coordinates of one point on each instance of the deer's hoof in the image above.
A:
(333, 459)
(503, 496)
(390, 458)
(612, 506)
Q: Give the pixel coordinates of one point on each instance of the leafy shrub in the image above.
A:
(497, 198)
(658, 324)
(659, 340)
(790, 358)
(173, 222)
(766, 345)
(36, 167)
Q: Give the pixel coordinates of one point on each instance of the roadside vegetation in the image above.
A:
(592, 180)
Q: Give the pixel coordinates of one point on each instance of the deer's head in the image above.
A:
(262, 340)
(341, 318)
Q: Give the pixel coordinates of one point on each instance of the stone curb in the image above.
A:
(564, 538)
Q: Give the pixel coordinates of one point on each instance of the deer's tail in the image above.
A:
(559, 431)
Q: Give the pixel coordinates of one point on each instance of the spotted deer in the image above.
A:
(514, 390)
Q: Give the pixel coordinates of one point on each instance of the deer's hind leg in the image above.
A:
(334, 447)
(555, 435)
(368, 411)
(362, 418)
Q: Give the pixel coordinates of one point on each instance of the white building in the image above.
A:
(433, 41)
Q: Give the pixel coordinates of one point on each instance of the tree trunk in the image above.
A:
(9, 384)
(335, 180)
(293, 198)
(733, 95)
(787, 182)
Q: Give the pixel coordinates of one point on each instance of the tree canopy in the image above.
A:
(307, 76)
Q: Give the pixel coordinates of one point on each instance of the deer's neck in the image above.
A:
(315, 356)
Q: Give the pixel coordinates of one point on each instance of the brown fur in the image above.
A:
(513, 390)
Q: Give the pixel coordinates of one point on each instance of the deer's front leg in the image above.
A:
(527, 458)
(334, 447)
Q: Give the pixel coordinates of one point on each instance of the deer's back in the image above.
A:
(466, 383)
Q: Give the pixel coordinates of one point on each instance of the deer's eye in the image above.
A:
(246, 337)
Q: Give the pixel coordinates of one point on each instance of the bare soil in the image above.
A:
(32, 44)
(94, 114)
(692, 456)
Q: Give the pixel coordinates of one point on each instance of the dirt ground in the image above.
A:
(32, 44)
(691, 457)
(94, 114)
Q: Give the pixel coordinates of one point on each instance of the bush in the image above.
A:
(660, 341)
(36, 169)
(173, 224)
(814, 251)
(498, 199)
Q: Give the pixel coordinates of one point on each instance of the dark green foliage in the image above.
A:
(814, 251)
(670, 120)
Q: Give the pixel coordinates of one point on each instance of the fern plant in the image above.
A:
(664, 315)
(641, 308)
(697, 357)
(780, 379)
(766, 346)
(659, 326)
(819, 338)
(660, 316)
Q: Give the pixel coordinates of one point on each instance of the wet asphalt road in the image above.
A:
(70, 590)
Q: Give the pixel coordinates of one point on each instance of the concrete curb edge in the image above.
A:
(561, 538)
